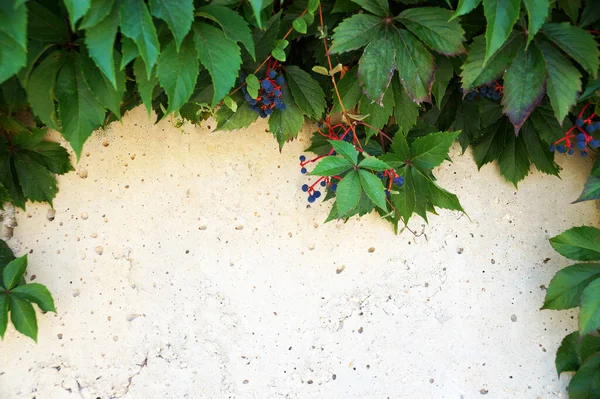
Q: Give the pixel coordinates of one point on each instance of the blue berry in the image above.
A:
(305, 187)
(279, 81)
(595, 144)
(399, 181)
(269, 111)
(252, 101)
(302, 158)
(380, 175)
(333, 187)
(560, 148)
(471, 96)
(303, 171)
(581, 145)
(277, 93)
(272, 74)
(323, 183)
(387, 192)
(584, 154)
(266, 85)
(581, 137)
(579, 122)
(489, 94)
(262, 114)
(590, 129)
(571, 151)
(597, 125)
(483, 90)
(311, 199)
(280, 107)
(552, 148)
(266, 101)
(317, 194)
(496, 96)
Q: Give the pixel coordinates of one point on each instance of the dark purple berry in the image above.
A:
(571, 151)
(496, 96)
(584, 154)
(269, 111)
(581, 137)
(317, 194)
(560, 148)
(305, 187)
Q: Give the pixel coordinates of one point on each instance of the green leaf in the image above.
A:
(576, 42)
(229, 120)
(99, 10)
(442, 198)
(415, 66)
(514, 161)
(567, 358)
(348, 193)
(101, 86)
(37, 182)
(590, 14)
(475, 74)
(355, 32)
(588, 346)
(376, 115)
(524, 85)
(145, 86)
(6, 256)
(76, 9)
(465, 7)
(468, 122)
(4, 301)
(257, 6)
(286, 124)
(233, 24)
(567, 285)
(430, 151)
(585, 383)
(406, 111)
(501, 16)
(373, 188)
(537, 11)
(40, 88)
(230, 103)
(299, 25)
(400, 147)
(306, 91)
(377, 7)
(45, 26)
(331, 166)
(405, 200)
(13, 272)
(546, 125)
(278, 54)
(220, 56)
(36, 293)
(50, 155)
(345, 149)
(178, 14)
(538, 151)
(13, 39)
(589, 312)
(136, 24)
(443, 75)
(489, 144)
(591, 190)
(79, 110)
(313, 5)
(100, 40)
(578, 243)
(349, 90)
(129, 51)
(432, 26)
(23, 317)
(564, 80)
(252, 85)
(571, 8)
(376, 67)
(372, 163)
(177, 73)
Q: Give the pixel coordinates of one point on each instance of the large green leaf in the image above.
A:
(567, 285)
(23, 317)
(79, 110)
(355, 32)
(51, 155)
(585, 384)
(345, 149)
(501, 16)
(405, 200)
(576, 42)
(406, 111)
(524, 85)
(348, 193)
(538, 151)
(331, 166)
(415, 66)
(430, 151)
(76, 9)
(99, 10)
(178, 14)
(475, 74)
(376, 67)
(465, 7)
(13, 272)
(229, 120)
(514, 160)
(13, 38)
(100, 40)
(571, 8)
(136, 24)
(145, 86)
(234, 26)
(537, 11)
(37, 182)
(567, 358)
(101, 86)
(4, 306)
(257, 6)
(219, 55)
(373, 163)
(376, 115)
(377, 7)
(45, 26)
(589, 312)
(431, 25)
(40, 88)
(285, 125)
(306, 91)
(591, 190)
(36, 293)
(564, 80)
(373, 188)
(578, 243)
(349, 90)
(177, 73)
(489, 144)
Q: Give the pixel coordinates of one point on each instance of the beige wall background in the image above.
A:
(185, 263)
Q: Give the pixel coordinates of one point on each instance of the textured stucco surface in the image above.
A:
(217, 281)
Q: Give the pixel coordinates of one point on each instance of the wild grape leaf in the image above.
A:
(584, 384)
(537, 11)
(40, 88)
(538, 151)
(571, 8)
(229, 120)
(306, 91)
(590, 13)
(100, 40)
(373, 163)
(430, 151)
(546, 124)
(257, 7)
(589, 312)
(348, 193)
(405, 200)
(76, 10)
(49, 154)
(432, 26)
(23, 317)
(178, 14)
(36, 293)
(524, 85)
(373, 187)
(4, 304)
(331, 165)
(219, 55)
(576, 42)
(514, 160)
(101, 86)
(415, 66)
(467, 122)
(79, 110)
(578, 243)
(501, 16)
(145, 86)
(355, 32)
(13, 39)
(377, 7)
(591, 190)
(234, 26)
(13, 272)
(345, 149)
(349, 90)
(465, 7)
(443, 75)
(567, 358)
(264, 41)
(99, 10)
(129, 51)
(45, 26)
(567, 285)
(285, 125)
(442, 198)
(376, 115)
(177, 73)
(37, 182)
(376, 67)
(406, 111)
(489, 144)
(136, 24)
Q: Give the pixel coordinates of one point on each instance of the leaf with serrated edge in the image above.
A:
(430, 151)
(372, 163)
(431, 25)
(13, 272)
(584, 384)
(100, 85)
(349, 90)
(578, 243)
(589, 312)
(23, 317)
(355, 32)
(178, 14)
(465, 7)
(514, 160)
(307, 92)
(136, 24)
(348, 193)
(377, 7)
(233, 24)
(376, 67)
(567, 285)
(345, 149)
(76, 9)
(145, 86)
(177, 73)
(4, 304)
(501, 16)
(576, 42)
(331, 166)
(415, 66)
(538, 151)
(537, 11)
(36, 293)
(13, 39)
(373, 188)
(40, 88)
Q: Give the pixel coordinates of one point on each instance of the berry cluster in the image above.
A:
(581, 134)
(490, 91)
(392, 177)
(269, 94)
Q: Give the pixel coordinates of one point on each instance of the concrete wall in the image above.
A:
(187, 264)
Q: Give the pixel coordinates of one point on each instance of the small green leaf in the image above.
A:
(177, 73)
(331, 166)
(415, 66)
(320, 70)
(377, 7)
(376, 67)
(233, 24)
(373, 188)
(252, 85)
(584, 384)
(567, 285)
(372, 163)
(501, 16)
(232, 105)
(4, 302)
(345, 149)
(40, 88)
(589, 312)
(13, 39)
(406, 111)
(306, 91)
(13, 272)
(285, 125)
(229, 120)
(465, 7)
(566, 355)
(537, 11)
(257, 6)
(36, 293)
(99, 10)
(514, 160)
(348, 193)
(576, 42)
(100, 41)
(178, 14)
(278, 54)
(136, 24)
(430, 151)
(76, 9)
(578, 243)
(281, 44)
(313, 5)
(299, 25)
(355, 32)
(23, 317)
